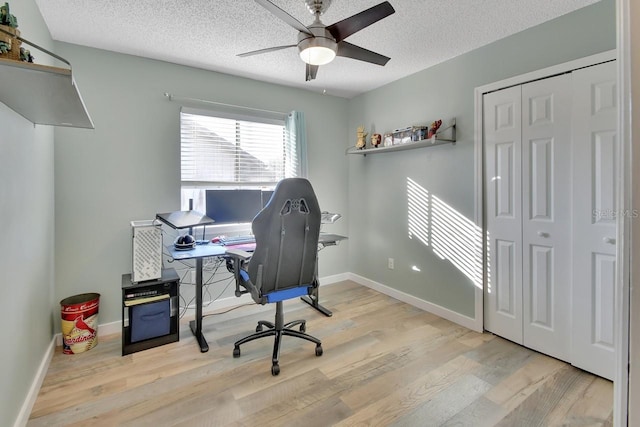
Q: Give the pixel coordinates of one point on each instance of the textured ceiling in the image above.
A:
(209, 34)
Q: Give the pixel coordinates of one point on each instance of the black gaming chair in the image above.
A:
(283, 265)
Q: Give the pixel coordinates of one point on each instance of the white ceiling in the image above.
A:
(209, 34)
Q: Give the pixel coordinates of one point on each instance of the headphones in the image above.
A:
(184, 242)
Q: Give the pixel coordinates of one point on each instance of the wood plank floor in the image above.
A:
(385, 363)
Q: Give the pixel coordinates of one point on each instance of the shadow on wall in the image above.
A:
(450, 235)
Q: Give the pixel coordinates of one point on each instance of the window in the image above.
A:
(220, 150)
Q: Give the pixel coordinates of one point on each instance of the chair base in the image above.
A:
(278, 330)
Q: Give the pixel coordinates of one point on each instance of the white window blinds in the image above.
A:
(222, 150)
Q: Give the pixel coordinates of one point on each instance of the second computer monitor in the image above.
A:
(235, 206)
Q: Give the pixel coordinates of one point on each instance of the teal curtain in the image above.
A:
(296, 132)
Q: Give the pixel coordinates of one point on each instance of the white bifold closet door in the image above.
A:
(595, 154)
(550, 151)
(528, 155)
(503, 212)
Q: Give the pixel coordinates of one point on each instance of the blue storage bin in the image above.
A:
(150, 320)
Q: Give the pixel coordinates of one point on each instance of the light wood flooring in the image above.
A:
(385, 363)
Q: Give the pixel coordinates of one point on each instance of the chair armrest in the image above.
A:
(236, 260)
(239, 254)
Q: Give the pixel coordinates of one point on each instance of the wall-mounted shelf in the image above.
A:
(42, 94)
(438, 139)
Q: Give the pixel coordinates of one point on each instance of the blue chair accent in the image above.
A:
(286, 294)
(284, 263)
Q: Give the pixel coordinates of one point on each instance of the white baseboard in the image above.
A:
(225, 303)
(328, 280)
(32, 395)
(445, 313)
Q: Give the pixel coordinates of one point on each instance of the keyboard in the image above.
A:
(237, 240)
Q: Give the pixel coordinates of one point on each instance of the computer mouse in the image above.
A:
(215, 239)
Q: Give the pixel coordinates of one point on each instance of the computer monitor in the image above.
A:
(235, 206)
(266, 196)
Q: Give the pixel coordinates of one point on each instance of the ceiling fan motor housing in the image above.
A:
(317, 7)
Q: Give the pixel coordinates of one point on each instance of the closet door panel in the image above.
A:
(546, 206)
(541, 152)
(503, 202)
(541, 300)
(595, 148)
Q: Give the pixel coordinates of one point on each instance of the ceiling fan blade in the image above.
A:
(343, 29)
(284, 16)
(311, 72)
(352, 51)
(269, 49)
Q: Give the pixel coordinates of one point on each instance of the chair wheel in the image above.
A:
(259, 328)
(275, 369)
(236, 352)
(318, 350)
(303, 328)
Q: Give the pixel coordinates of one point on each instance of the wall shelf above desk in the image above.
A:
(43, 94)
(439, 139)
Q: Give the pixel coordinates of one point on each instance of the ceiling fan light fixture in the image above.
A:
(317, 50)
(317, 55)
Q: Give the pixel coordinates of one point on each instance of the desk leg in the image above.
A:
(196, 325)
(312, 300)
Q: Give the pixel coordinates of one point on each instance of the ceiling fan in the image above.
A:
(319, 44)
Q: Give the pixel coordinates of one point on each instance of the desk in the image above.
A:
(198, 253)
(216, 250)
(189, 219)
(325, 240)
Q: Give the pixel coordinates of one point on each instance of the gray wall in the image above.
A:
(26, 248)
(378, 183)
(128, 167)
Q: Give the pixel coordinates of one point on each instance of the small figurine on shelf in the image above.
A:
(376, 138)
(434, 128)
(25, 55)
(6, 18)
(362, 138)
(9, 36)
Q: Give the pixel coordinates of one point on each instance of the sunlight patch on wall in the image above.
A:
(450, 234)
(418, 208)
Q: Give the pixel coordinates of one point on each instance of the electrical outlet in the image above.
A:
(391, 264)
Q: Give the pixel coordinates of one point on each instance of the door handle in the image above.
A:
(609, 240)
(543, 234)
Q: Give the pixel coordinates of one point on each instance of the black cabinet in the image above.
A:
(150, 312)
